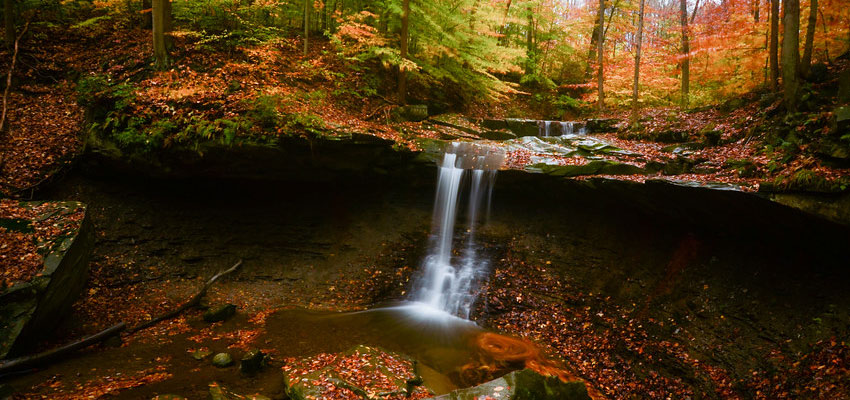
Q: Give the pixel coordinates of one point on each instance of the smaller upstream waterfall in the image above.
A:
(450, 282)
(562, 128)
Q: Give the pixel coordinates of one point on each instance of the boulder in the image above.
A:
(498, 135)
(844, 87)
(601, 125)
(220, 313)
(363, 372)
(252, 362)
(413, 112)
(522, 385)
(222, 360)
(672, 136)
(835, 149)
(523, 127)
(841, 122)
(29, 310)
(833, 207)
(493, 124)
(710, 136)
(201, 354)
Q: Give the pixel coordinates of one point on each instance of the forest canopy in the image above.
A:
(695, 52)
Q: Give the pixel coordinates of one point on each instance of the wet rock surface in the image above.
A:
(522, 385)
(220, 313)
(218, 392)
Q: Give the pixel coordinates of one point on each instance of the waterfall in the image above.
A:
(450, 281)
(545, 128)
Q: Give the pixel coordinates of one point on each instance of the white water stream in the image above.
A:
(451, 279)
(562, 128)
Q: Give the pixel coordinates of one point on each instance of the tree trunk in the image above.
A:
(529, 44)
(405, 38)
(595, 34)
(324, 16)
(600, 75)
(757, 10)
(774, 45)
(635, 90)
(145, 22)
(9, 22)
(686, 62)
(791, 53)
(306, 26)
(503, 29)
(159, 49)
(167, 25)
(806, 62)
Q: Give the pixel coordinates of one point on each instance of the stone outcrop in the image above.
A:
(29, 310)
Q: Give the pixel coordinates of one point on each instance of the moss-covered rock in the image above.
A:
(601, 125)
(599, 167)
(522, 385)
(844, 87)
(414, 112)
(286, 158)
(523, 127)
(222, 360)
(672, 136)
(252, 362)
(220, 313)
(29, 310)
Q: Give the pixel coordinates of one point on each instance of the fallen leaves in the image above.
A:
(22, 250)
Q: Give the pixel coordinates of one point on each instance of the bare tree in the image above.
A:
(806, 62)
(635, 89)
(161, 27)
(791, 53)
(9, 22)
(405, 38)
(600, 75)
(774, 44)
(686, 49)
(306, 25)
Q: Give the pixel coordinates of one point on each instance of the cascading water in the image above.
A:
(450, 282)
(565, 128)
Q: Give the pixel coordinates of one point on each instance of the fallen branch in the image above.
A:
(380, 109)
(9, 77)
(193, 302)
(18, 364)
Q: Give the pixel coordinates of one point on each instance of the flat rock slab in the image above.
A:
(522, 385)
(363, 372)
(32, 306)
(218, 392)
